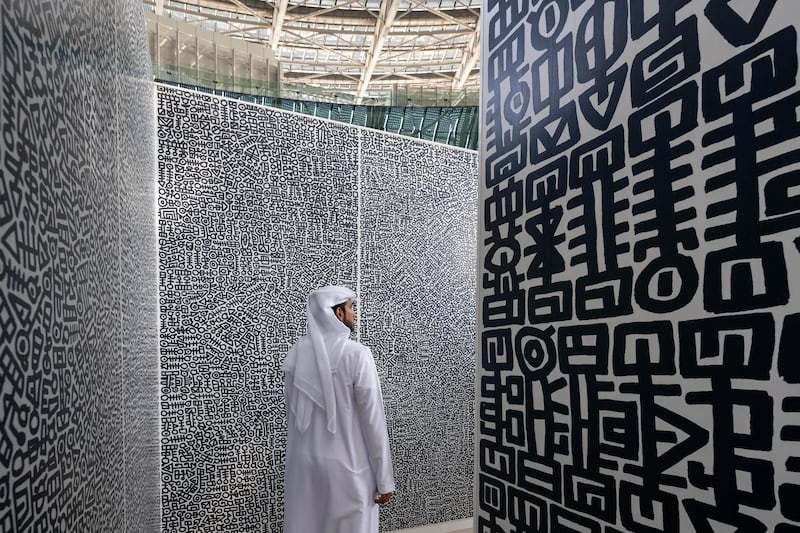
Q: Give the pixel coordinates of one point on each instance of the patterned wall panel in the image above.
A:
(258, 207)
(640, 244)
(72, 78)
(417, 313)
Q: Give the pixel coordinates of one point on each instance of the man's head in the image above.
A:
(322, 315)
(345, 313)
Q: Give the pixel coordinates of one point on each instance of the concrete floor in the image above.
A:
(456, 526)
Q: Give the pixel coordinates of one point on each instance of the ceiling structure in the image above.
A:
(353, 48)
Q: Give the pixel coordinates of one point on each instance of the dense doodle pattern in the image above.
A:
(250, 221)
(639, 231)
(79, 433)
(256, 208)
(417, 313)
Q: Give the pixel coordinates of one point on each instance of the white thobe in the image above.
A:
(332, 478)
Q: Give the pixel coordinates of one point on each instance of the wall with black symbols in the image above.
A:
(639, 257)
(257, 207)
(78, 269)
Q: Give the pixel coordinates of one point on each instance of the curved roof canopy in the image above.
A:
(353, 47)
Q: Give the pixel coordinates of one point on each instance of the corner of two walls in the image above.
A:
(78, 302)
(257, 207)
(640, 238)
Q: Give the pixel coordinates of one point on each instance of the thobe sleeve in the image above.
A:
(369, 405)
(287, 393)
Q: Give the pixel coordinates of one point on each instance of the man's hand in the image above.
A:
(383, 498)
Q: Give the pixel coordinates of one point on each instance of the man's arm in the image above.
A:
(369, 405)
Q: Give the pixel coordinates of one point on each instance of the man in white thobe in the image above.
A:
(338, 464)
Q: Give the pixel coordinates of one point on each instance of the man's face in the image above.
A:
(347, 315)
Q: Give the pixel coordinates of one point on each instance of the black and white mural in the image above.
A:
(639, 247)
(257, 207)
(78, 269)
(417, 313)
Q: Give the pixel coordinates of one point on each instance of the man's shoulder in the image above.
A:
(356, 348)
(356, 357)
(356, 345)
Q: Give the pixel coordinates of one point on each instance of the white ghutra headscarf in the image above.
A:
(312, 370)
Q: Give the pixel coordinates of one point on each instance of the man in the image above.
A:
(338, 464)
